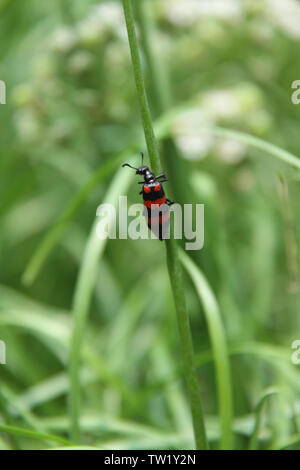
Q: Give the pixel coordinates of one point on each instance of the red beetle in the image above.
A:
(156, 204)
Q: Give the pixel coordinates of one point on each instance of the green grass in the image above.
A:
(219, 348)
(124, 344)
(82, 297)
(175, 271)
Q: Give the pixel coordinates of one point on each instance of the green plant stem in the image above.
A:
(175, 270)
(159, 84)
(65, 11)
(157, 77)
(141, 89)
(176, 278)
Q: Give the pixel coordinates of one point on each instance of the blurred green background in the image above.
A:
(71, 118)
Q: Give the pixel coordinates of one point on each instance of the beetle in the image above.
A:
(156, 210)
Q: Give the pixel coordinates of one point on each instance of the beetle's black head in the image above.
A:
(142, 170)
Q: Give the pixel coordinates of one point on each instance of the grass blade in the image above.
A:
(175, 270)
(258, 418)
(257, 143)
(16, 431)
(82, 298)
(165, 126)
(219, 347)
(53, 235)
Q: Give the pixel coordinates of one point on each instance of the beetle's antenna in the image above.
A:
(127, 164)
(142, 154)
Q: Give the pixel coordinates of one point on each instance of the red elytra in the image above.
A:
(158, 202)
(151, 201)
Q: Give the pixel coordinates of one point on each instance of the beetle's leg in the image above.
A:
(141, 192)
(162, 175)
(169, 202)
(141, 182)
